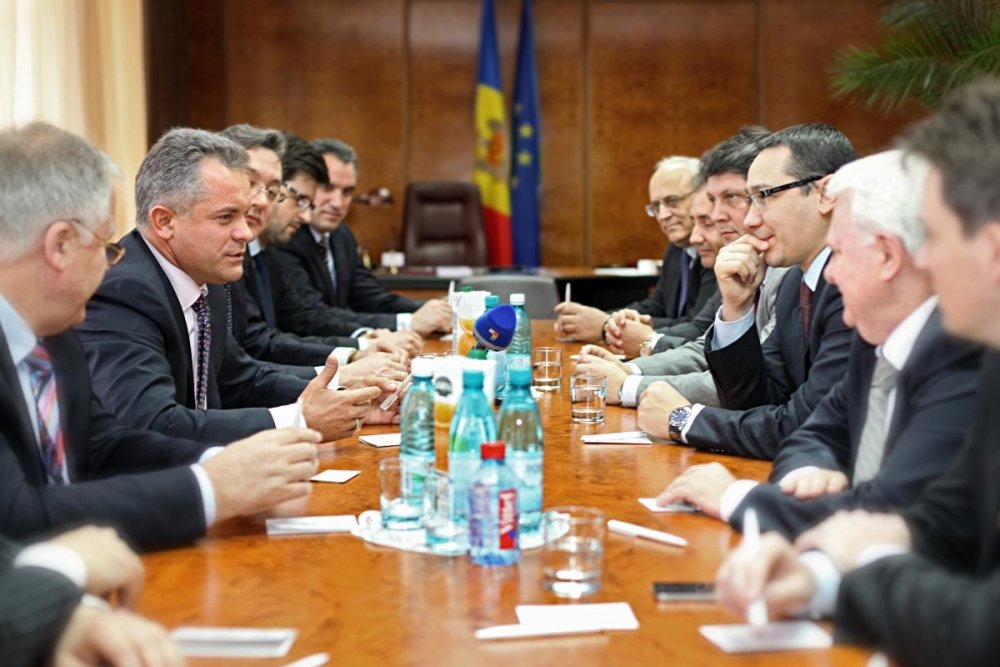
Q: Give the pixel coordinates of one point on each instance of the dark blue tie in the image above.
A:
(202, 315)
(264, 289)
(685, 270)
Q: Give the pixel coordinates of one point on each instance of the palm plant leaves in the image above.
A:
(930, 47)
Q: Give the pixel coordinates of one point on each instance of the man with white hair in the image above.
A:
(684, 285)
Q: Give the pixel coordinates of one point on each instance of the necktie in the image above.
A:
(683, 295)
(872, 447)
(50, 437)
(204, 322)
(805, 303)
(331, 268)
(264, 289)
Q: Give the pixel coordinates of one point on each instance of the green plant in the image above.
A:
(930, 48)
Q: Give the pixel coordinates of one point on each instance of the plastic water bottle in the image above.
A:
(493, 525)
(455, 300)
(472, 425)
(519, 350)
(499, 357)
(417, 428)
(521, 428)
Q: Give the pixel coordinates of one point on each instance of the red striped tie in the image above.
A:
(50, 437)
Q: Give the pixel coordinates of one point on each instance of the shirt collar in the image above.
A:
(692, 252)
(186, 289)
(319, 236)
(899, 345)
(815, 270)
(21, 340)
(254, 248)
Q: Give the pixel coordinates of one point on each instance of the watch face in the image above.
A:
(679, 417)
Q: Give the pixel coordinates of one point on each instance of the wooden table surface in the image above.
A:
(369, 605)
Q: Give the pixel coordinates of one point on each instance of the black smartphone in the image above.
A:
(674, 591)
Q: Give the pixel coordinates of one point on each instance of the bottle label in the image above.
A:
(508, 519)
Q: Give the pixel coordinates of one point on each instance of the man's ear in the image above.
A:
(56, 241)
(162, 221)
(893, 255)
(990, 238)
(826, 203)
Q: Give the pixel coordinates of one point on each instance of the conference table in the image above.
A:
(371, 605)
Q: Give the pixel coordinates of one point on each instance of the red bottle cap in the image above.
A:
(493, 450)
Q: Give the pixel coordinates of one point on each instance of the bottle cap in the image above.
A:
(492, 301)
(517, 299)
(493, 450)
(520, 377)
(422, 367)
(472, 377)
(476, 353)
(466, 288)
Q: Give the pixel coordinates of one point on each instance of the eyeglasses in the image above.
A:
(302, 200)
(112, 251)
(759, 199)
(273, 193)
(671, 202)
(730, 199)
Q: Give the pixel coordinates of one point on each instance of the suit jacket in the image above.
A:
(938, 605)
(35, 606)
(933, 407)
(770, 388)
(662, 303)
(137, 345)
(358, 294)
(135, 480)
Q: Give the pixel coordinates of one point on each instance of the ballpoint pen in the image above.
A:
(750, 549)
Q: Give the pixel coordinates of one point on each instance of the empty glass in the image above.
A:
(573, 550)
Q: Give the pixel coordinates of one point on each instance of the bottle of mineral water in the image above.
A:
(417, 428)
(499, 372)
(493, 529)
(521, 428)
(519, 351)
(472, 425)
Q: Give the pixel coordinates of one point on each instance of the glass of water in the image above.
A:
(573, 550)
(402, 493)
(546, 368)
(587, 394)
(444, 515)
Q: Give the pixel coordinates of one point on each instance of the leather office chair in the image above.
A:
(443, 224)
(540, 293)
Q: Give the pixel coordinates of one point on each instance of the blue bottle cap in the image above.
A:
(519, 376)
(472, 377)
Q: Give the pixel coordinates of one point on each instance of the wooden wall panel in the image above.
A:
(665, 78)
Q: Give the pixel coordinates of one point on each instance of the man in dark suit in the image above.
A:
(157, 329)
(684, 285)
(323, 259)
(922, 586)
(768, 389)
(63, 459)
(48, 612)
(900, 413)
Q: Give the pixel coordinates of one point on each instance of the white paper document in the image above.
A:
(622, 438)
(197, 642)
(335, 476)
(600, 616)
(306, 525)
(382, 439)
(784, 636)
(681, 507)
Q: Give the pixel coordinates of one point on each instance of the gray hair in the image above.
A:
(688, 164)
(886, 191)
(170, 174)
(48, 174)
(249, 137)
(340, 150)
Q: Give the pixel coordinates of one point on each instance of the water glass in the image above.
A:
(587, 393)
(402, 493)
(546, 368)
(573, 550)
(445, 516)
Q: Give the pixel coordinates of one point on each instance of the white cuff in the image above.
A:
(360, 331)
(94, 602)
(727, 333)
(209, 454)
(633, 369)
(363, 343)
(733, 496)
(827, 577)
(654, 338)
(404, 321)
(629, 392)
(207, 493)
(283, 415)
(695, 411)
(56, 557)
(343, 354)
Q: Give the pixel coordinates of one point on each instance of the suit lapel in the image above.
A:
(342, 256)
(672, 280)
(15, 423)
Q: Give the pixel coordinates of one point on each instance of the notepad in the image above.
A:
(335, 476)
(382, 439)
(599, 616)
(205, 642)
(306, 525)
(623, 438)
(784, 636)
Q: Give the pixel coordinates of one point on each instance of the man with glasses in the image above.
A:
(322, 261)
(684, 285)
(768, 389)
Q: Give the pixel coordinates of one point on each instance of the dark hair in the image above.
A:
(817, 149)
(249, 137)
(733, 155)
(963, 142)
(340, 150)
(301, 157)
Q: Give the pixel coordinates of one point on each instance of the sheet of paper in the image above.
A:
(306, 525)
(622, 438)
(382, 439)
(204, 642)
(784, 636)
(335, 476)
(604, 616)
(681, 507)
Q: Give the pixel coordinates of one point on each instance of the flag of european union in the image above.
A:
(526, 166)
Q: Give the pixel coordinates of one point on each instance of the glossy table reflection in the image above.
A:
(369, 605)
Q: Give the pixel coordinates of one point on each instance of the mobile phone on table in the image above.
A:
(676, 591)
